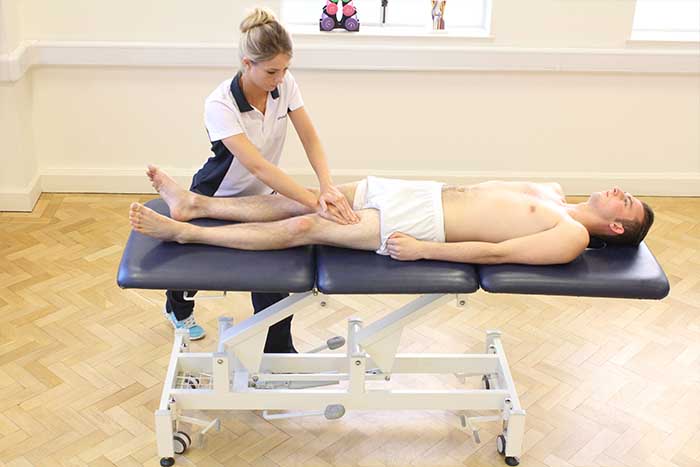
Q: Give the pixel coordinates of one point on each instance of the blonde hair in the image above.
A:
(263, 37)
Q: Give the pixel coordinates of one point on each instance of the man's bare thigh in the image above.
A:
(362, 236)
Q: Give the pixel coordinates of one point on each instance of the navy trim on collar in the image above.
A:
(241, 101)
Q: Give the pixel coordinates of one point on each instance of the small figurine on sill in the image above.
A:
(329, 19)
(438, 13)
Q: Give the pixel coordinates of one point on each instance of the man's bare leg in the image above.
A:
(185, 205)
(296, 231)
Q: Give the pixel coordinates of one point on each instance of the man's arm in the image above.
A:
(556, 187)
(558, 245)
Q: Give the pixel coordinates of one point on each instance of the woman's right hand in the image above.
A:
(334, 206)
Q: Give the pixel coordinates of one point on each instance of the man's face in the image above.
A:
(615, 204)
(269, 74)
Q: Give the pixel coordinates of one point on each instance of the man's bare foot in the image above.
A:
(148, 222)
(180, 201)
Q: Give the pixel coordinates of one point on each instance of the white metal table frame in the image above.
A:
(239, 376)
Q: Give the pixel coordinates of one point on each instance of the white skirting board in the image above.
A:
(22, 200)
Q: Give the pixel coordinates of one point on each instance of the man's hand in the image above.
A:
(334, 206)
(404, 247)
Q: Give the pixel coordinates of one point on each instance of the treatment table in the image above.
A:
(237, 375)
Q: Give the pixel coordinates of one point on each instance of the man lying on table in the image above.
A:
(487, 223)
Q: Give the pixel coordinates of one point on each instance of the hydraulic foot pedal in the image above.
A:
(332, 412)
(468, 423)
(207, 424)
(331, 344)
(291, 384)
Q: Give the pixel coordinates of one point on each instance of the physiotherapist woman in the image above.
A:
(246, 119)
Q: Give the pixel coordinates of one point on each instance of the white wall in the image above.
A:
(19, 177)
(11, 25)
(136, 20)
(93, 128)
(121, 118)
(562, 23)
(510, 122)
(464, 125)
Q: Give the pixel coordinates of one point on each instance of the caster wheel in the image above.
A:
(512, 461)
(327, 23)
(179, 445)
(485, 381)
(192, 382)
(167, 462)
(185, 437)
(351, 24)
(501, 445)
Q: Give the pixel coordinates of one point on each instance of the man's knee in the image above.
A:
(303, 226)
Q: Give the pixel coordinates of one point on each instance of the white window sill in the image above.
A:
(689, 37)
(379, 34)
(320, 53)
(404, 49)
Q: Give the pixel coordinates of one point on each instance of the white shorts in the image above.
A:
(410, 207)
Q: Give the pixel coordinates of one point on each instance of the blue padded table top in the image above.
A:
(611, 271)
(148, 263)
(344, 271)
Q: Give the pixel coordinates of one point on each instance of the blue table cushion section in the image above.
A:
(344, 271)
(610, 271)
(148, 263)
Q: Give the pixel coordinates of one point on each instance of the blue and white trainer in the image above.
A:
(196, 331)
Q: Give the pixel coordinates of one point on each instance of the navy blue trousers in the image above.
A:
(279, 336)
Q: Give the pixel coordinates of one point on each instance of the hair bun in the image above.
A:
(260, 16)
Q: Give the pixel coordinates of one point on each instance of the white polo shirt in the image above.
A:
(227, 113)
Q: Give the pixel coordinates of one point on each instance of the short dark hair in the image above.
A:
(635, 231)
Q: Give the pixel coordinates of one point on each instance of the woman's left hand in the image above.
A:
(335, 206)
(404, 247)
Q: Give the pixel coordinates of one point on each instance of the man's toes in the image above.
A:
(136, 211)
(152, 173)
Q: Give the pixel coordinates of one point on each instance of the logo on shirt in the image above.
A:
(282, 116)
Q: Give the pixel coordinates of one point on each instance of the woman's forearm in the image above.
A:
(278, 180)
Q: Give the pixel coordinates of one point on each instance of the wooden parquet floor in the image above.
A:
(604, 382)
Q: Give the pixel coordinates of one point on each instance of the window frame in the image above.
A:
(656, 34)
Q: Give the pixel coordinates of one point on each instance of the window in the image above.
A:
(470, 17)
(667, 20)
